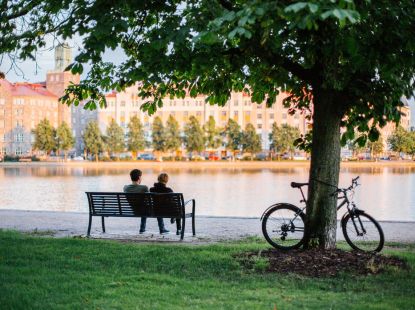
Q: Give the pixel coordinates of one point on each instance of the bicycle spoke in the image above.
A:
(365, 236)
(283, 227)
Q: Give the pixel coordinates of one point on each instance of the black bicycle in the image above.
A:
(283, 223)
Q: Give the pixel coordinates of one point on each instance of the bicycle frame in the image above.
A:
(345, 201)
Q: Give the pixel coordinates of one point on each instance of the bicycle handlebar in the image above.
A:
(344, 190)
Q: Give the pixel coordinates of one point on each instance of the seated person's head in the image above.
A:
(135, 175)
(163, 178)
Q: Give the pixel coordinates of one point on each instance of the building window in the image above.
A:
(18, 101)
(259, 126)
(19, 151)
(235, 103)
(271, 116)
(259, 116)
(122, 103)
(235, 115)
(4, 151)
(19, 137)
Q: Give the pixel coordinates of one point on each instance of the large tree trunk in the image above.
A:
(321, 210)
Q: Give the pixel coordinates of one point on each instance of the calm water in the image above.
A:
(387, 193)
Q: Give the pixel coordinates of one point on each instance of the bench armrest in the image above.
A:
(193, 204)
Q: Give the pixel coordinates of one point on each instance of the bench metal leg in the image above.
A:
(89, 226)
(193, 217)
(183, 227)
(193, 225)
(103, 224)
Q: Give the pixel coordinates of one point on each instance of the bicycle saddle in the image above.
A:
(297, 185)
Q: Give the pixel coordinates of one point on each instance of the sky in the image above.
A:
(31, 71)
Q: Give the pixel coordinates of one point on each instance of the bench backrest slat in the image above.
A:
(136, 204)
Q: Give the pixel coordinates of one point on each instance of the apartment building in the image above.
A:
(24, 105)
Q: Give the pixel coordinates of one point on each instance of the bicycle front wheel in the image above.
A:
(283, 226)
(362, 232)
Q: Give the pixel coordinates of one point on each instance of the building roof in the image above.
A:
(111, 95)
(27, 89)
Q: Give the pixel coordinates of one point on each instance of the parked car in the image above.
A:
(213, 157)
(146, 157)
(78, 158)
(197, 157)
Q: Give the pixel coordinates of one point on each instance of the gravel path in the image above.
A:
(208, 229)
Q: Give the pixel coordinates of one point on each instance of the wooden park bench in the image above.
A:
(153, 205)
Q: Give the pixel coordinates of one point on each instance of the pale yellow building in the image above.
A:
(122, 106)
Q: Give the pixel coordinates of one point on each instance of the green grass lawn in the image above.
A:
(46, 273)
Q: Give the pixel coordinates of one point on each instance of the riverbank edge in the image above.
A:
(208, 164)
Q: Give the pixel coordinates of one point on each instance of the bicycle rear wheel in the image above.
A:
(283, 226)
(362, 232)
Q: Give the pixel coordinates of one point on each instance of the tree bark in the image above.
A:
(321, 209)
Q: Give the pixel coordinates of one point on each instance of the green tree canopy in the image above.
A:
(283, 138)
(233, 136)
(401, 141)
(213, 138)
(114, 139)
(352, 59)
(251, 141)
(44, 137)
(64, 138)
(173, 138)
(93, 140)
(136, 138)
(376, 147)
(158, 135)
(194, 138)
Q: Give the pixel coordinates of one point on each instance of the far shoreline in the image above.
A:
(206, 164)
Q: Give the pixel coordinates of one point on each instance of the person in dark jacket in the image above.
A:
(160, 187)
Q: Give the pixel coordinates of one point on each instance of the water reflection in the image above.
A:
(387, 193)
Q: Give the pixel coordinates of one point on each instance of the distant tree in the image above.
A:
(233, 136)
(136, 139)
(411, 144)
(172, 131)
(93, 139)
(114, 139)
(251, 141)
(64, 139)
(194, 139)
(44, 137)
(213, 139)
(282, 138)
(400, 141)
(375, 147)
(356, 148)
(158, 135)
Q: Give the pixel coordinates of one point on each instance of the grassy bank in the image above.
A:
(46, 273)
